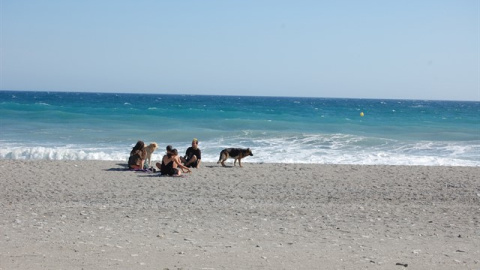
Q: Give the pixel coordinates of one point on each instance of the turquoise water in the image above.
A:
(101, 126)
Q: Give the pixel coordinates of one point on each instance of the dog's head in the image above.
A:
(153, 146)
(249, 152)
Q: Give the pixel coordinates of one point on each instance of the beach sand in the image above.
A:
(97, 215)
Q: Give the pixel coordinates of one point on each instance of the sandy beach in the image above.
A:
(97, 215)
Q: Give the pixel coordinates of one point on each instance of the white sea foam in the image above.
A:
(317, 149)
(61, 153)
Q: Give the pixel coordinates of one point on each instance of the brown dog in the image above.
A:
(150, 149)
(235, 153)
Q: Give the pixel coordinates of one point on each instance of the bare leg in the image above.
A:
(192, 160)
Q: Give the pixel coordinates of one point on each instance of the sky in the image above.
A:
(409, 49)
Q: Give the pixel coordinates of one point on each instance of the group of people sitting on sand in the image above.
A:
(171, 164)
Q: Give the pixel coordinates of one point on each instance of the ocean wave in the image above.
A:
(316, 149)
(61, 153)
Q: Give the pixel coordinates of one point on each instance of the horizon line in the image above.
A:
(227, 95)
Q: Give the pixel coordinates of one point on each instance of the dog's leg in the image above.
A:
(148, 158)
(220, 159)
(240, 162)
(223, 157)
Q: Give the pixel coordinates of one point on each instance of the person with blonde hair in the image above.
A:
(193, 155)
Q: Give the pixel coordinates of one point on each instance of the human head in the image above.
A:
(195, 143)
(169, 148)
(140, 145)
(174, 152)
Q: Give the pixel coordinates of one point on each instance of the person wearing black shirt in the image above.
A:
(193, 156)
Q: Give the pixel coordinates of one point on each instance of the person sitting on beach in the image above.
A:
(170, 164)
(169, 149)
(137, 157)
(193, 155)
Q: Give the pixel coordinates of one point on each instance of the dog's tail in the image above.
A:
(222, 153)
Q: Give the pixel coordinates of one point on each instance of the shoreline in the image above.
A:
(229, 163)
(97, 214)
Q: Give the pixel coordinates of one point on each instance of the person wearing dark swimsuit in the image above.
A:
(170, 164)
(167, 169)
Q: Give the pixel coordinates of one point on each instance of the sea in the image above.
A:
(105, 126)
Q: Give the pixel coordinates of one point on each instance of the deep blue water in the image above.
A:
(104, 126)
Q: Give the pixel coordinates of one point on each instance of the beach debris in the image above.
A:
(402, 264)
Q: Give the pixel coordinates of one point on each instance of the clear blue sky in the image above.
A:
(412, 49)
